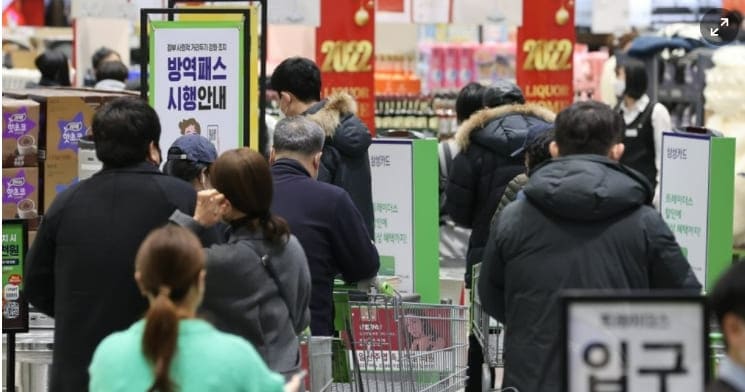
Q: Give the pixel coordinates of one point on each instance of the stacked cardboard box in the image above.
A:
(66, 117)
(19, 159)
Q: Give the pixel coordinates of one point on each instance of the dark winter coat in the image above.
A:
(243, 298)
(80, 268)
(345, 162)
(484, 166)
(586, 223)
(331, 231)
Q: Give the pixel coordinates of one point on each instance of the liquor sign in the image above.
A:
(545, 52)
(15, 245)
(634, 342)
(197, 79)
(697, 199)
(345, 53)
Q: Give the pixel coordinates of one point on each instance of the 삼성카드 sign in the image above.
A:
(196, 75)
(405, 203)
(629, 343)
(15, 308)
(696, 199)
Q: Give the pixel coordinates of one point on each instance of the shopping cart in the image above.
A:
(391, 345)
(487, 331)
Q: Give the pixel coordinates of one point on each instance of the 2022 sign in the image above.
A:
(347, 56)
(548, 55)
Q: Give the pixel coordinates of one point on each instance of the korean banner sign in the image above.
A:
(196, 74)
(15, 309)
(634, 342)
(545, 50)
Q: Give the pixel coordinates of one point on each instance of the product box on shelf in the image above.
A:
(20, 193)
(20, 133)
(66, 116)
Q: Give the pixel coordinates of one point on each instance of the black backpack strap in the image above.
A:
(265, 259)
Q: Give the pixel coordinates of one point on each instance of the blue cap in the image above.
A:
(534, 131)
(194, 148)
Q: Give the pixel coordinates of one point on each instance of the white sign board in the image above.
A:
(635, 344)
(294, 12)
(196, 81)
(684, 195)
(392, 194)
(481, 12)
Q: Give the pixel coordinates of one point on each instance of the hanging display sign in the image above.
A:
(634, 343)
(545, 49)
(345, 53)
(15, 308)
(405, 202)
(697, 199)
(196, 77)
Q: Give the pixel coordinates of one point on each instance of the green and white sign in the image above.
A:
(197, 81)
(696, 199)
(15, 310)
(405, 201)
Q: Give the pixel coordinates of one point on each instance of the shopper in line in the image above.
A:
(454, 238)
(728, 302)
(586, 223)
(79, 270)
(100, 56)
(645, 121)
(111, 76)
(322, 216)
(258, 283)
(190, 158)
(486, 163)
(54, 68)
(171, 349)
(345, 161)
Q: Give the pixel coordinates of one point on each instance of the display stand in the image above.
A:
(15, 306)
(405, 201)
(696, 199)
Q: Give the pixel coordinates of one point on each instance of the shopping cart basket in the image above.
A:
(488, 332)
(392, 345)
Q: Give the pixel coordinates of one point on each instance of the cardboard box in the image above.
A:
(21, 193)
(67, 116)
(20, 133)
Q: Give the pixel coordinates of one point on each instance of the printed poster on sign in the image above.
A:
(421, 338)
(684, 195)
(635, 344)
(196, 75)
(392, 194)
(15, 311)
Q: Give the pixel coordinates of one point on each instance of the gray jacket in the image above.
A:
(242, 297)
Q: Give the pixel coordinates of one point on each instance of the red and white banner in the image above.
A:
(346, 55)
(545, 47)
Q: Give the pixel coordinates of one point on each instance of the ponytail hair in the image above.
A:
(244, 177)
(275, 229)
(159, 339)
(169, 263)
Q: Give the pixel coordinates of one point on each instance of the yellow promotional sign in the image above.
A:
(253, 61)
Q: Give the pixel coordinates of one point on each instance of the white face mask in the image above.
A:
(619, 87)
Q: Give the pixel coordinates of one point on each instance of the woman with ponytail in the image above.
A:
(171, 350)
(258, 283)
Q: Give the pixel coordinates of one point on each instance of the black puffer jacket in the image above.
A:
(586, 223)
(345, 162)
(484, 166)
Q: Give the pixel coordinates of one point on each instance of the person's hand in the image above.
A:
(211, 206)
(295, 382)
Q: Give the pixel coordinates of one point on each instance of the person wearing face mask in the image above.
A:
(345, 161)
(645, 122)
(190, 158)
(322, 216)
(728, 302)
